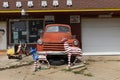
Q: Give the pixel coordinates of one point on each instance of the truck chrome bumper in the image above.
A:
(51, 52)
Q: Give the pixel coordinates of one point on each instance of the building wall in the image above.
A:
(3, 39)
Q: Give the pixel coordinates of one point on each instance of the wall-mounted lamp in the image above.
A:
(30, 4)
(69, 3)
(55, 3)
(18, 4)
(23, 12)
(44, 3)
(5, 4)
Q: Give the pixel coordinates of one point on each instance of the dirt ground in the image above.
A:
(97, 68)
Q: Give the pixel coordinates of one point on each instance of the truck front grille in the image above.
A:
(53, 47)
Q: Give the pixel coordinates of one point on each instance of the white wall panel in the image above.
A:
(101, 35)
(3, 40)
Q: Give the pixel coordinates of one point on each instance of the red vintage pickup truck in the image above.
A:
(50, 43)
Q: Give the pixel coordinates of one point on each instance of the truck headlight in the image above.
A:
(39, 41)
(75, 43)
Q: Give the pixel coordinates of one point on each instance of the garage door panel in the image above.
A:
(101, 35)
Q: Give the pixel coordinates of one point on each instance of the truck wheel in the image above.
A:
(73, 58)
(57, 62)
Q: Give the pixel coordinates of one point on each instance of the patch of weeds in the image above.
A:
(13, 66)
(118, 60)
(54, 67)
(30, 62)
(113, 60)
(87, 63)
(43, 68)
(33, 73)
(19, 72)
(90, 60)
(80, 71)
(88, 74)
(66, 70)
(104, 62)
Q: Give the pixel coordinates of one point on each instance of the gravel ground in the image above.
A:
(97, 68)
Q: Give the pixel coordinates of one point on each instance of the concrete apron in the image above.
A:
(2, 52)
(6, 63)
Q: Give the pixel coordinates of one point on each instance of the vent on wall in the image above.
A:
(23, 12)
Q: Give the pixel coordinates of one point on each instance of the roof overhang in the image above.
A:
(76, 10)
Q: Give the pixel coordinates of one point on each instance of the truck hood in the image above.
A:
(55, 37)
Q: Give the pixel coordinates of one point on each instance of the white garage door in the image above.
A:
(101, 36)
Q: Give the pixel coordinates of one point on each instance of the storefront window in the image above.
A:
(35, 26)
(25, 30)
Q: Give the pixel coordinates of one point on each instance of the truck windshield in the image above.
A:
(57, 29)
